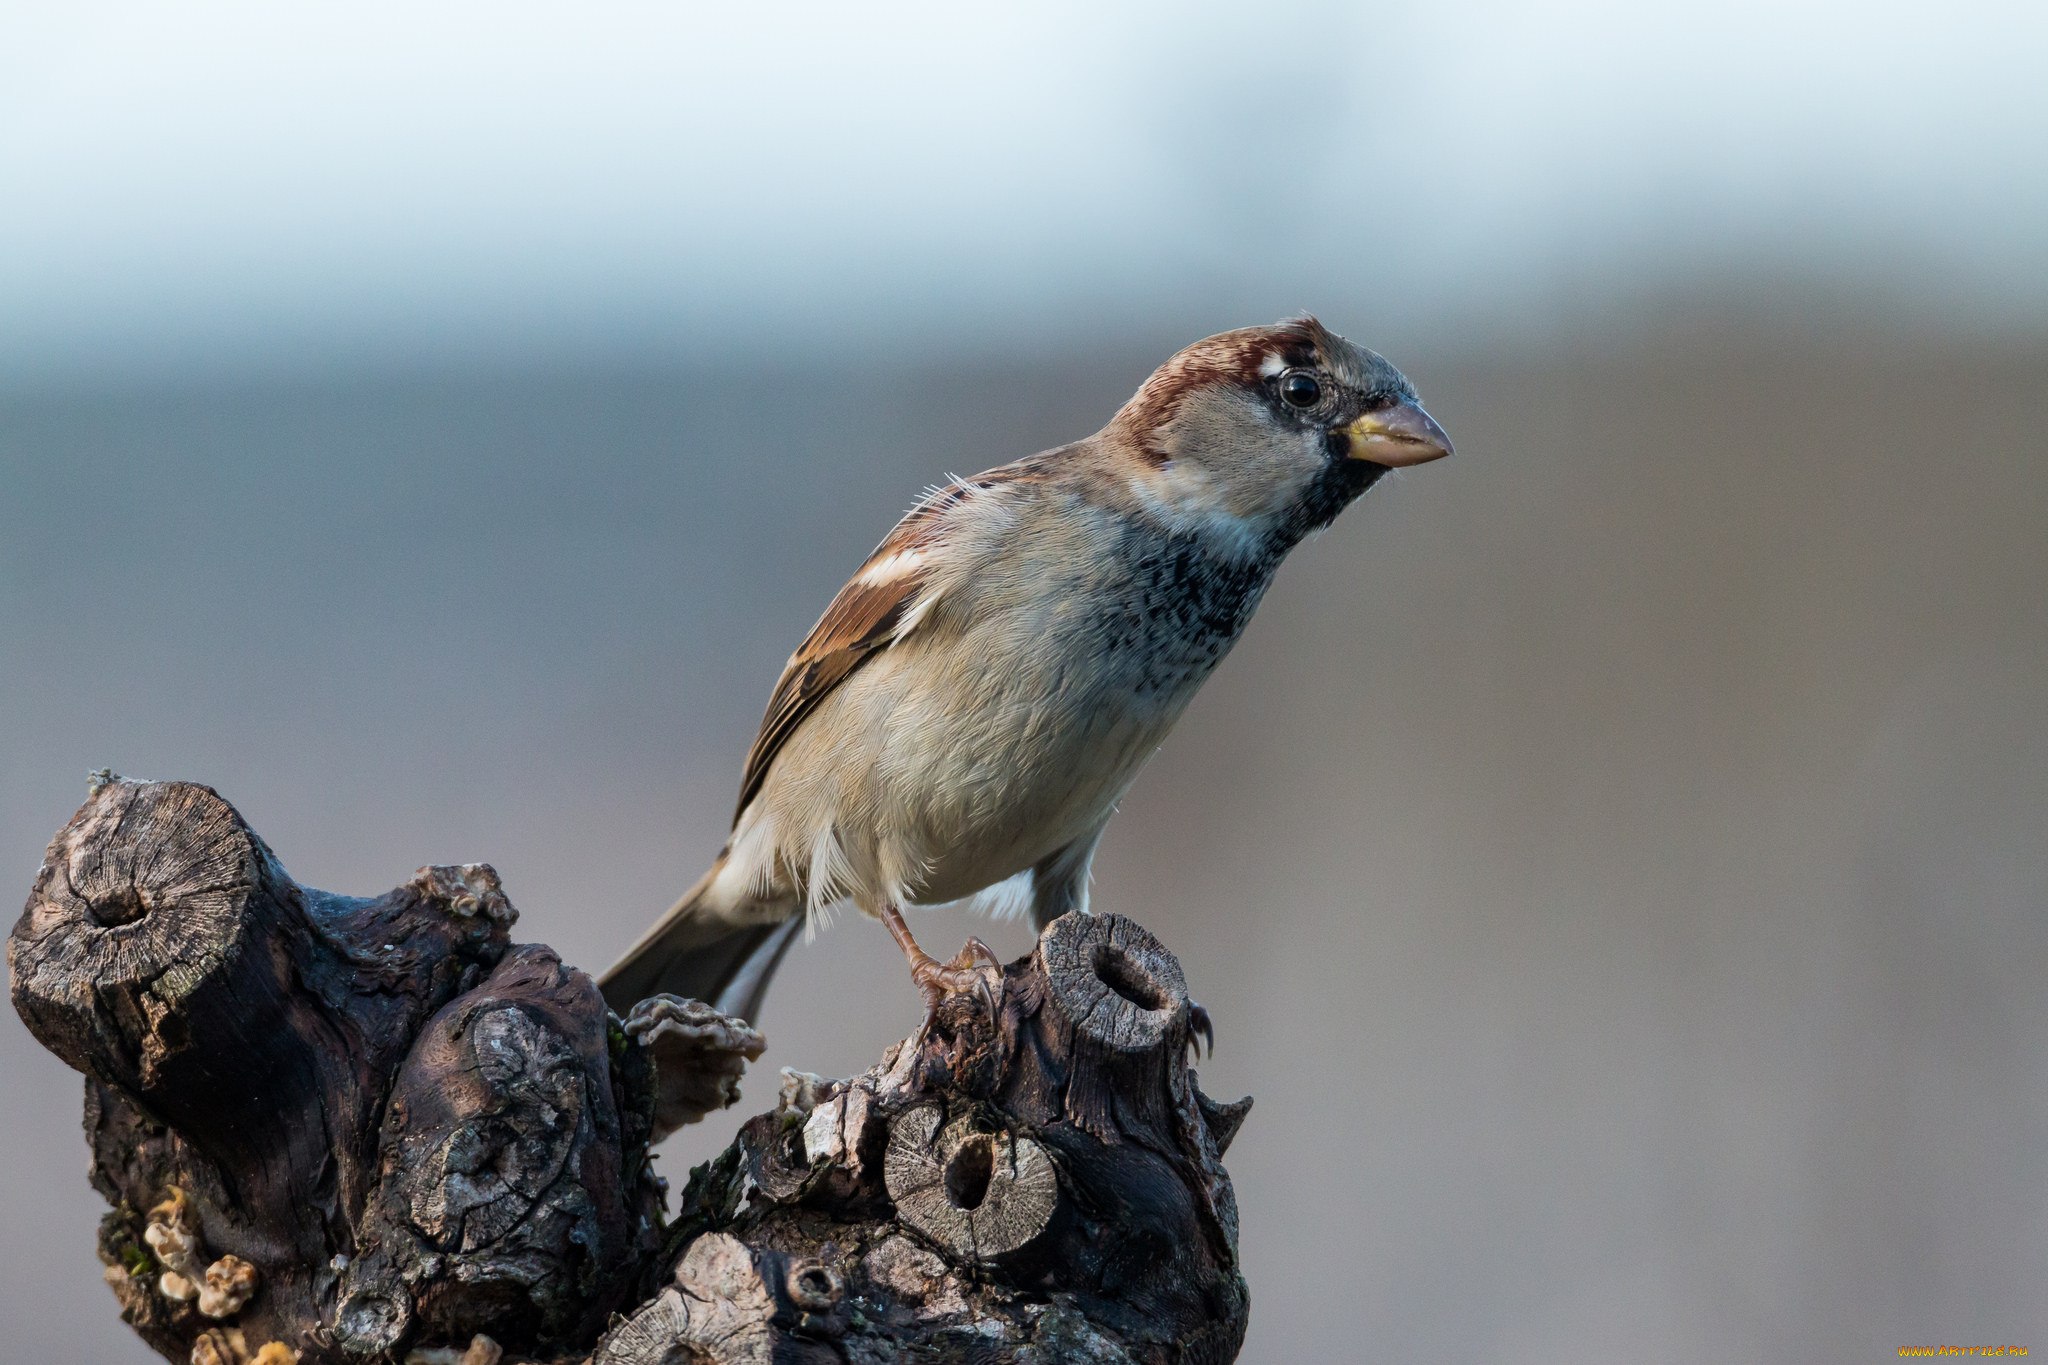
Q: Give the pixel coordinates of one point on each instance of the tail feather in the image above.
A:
(695, 952)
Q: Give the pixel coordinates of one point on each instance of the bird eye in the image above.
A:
(1300, 389)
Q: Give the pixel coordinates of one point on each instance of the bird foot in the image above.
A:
(974, 969)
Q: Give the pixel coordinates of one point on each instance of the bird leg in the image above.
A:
(974, 968)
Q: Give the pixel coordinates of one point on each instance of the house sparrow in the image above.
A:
(961, 723)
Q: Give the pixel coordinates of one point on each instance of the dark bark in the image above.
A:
(334, 1129)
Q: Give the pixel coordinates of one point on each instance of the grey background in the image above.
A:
(1615, 858)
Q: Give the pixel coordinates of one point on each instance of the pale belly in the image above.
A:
(981, 783)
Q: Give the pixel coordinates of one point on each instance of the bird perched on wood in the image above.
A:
(963, 719)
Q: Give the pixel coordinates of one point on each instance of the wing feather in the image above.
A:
(880, 605)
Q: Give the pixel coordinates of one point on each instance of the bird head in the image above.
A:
(1269, 431)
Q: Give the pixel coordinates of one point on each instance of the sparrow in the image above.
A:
(961, 723)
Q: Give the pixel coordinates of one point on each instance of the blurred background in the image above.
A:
(1616, 858)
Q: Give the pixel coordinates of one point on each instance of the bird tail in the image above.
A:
(698, 952)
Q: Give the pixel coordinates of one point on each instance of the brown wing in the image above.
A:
(862, 621)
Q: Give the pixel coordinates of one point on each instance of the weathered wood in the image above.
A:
(342, 1130)
(395, 1124)
(979, 1195)
(503, 1162)
(1042, 1185)
(697, 1054)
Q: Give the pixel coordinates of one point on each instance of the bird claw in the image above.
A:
(974, 968)
(1200, 1030)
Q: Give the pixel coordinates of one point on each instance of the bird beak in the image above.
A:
(1398, 436)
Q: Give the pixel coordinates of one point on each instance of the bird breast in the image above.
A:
(1007, 726)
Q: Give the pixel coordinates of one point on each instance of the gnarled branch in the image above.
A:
(345, 1130)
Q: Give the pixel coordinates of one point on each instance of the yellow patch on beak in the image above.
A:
(1398, 436)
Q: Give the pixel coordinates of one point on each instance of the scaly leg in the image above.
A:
(975, 967)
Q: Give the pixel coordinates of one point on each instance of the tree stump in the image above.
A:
(353, 1130)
